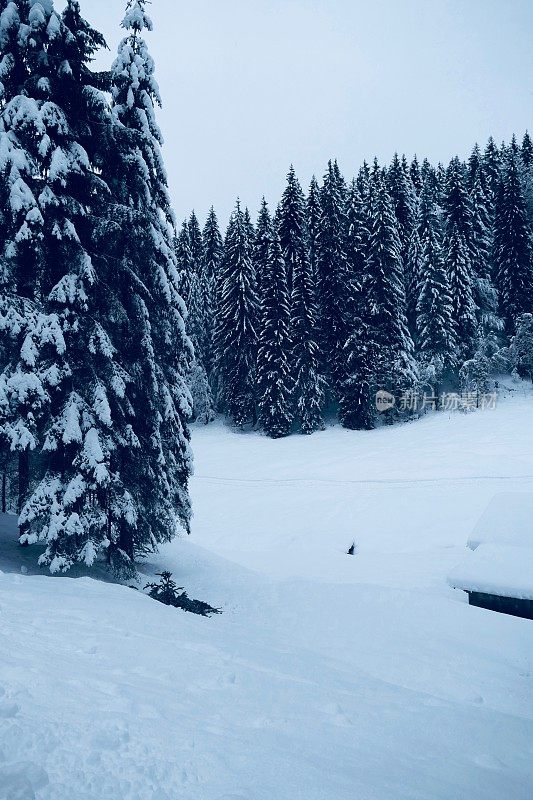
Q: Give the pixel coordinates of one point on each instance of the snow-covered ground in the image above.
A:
(328, 677)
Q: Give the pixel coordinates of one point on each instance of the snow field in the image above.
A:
(328, 677)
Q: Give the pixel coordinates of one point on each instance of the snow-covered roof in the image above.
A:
(508, 519)
(503, 570)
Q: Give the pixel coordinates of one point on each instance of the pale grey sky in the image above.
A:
(250, 86)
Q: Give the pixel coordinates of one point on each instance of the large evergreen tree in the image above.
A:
(274, 347)
(357, 403)
(459, 249)
(332, 275)
(436, 340)
(290, 224)
(212, 257)
(395, 368)
(313, 222)
(295, 238)
(484, 292)
(236, 334)
(112, 478)
(76, 498)
(513, 247)
(403, 198)
(357, 237)
(261, 248)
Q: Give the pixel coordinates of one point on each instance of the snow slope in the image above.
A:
(328, 677)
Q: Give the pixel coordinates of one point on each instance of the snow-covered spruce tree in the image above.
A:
(436, 343)
(457, 202)
(513, 252)
(199, 326)
(526, 153)
(332, 273)
(212, 257)
(474, 375)
(521, 347)
(356, 393)
(66, 350)
(274, 381)
(184, 260)
(198, 330)
(308, 381)
(203, 406)
(474, 166)
(263, 238)
(196, 243)
(363, 182)
(357, 237)
(459, 271)
(308, 389)
(199, 298)
(459, 249)
(250, 230)
(313, 223)
(236, 333)
(492, 169)
(357, 408)
(291, 223)
(412, 274)
(403, 198)
(484, 292)
(395, 367)
(146, 311)
(415, 175)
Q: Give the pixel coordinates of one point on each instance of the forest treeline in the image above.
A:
(408, 278)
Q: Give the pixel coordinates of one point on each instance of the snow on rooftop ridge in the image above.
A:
(503, 570)
(507, 520)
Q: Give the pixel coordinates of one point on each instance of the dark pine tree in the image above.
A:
(403, 198)
(274, 347)
(313, 223)
(395, 368)
(290, 224)
(484, 292)
(236, 334)
(82, 503)
(435, 325)
(458, 253)
(415, 174)
(308, 389)
(526, 152)
(357, 407)
(263, 238)
(196, 243)
(212, 258)
(357, 238)
(513, 247)
(184, 260)
(152, 341)
(332, 273)
(492, 169)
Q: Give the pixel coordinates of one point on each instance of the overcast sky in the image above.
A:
(250, 86)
